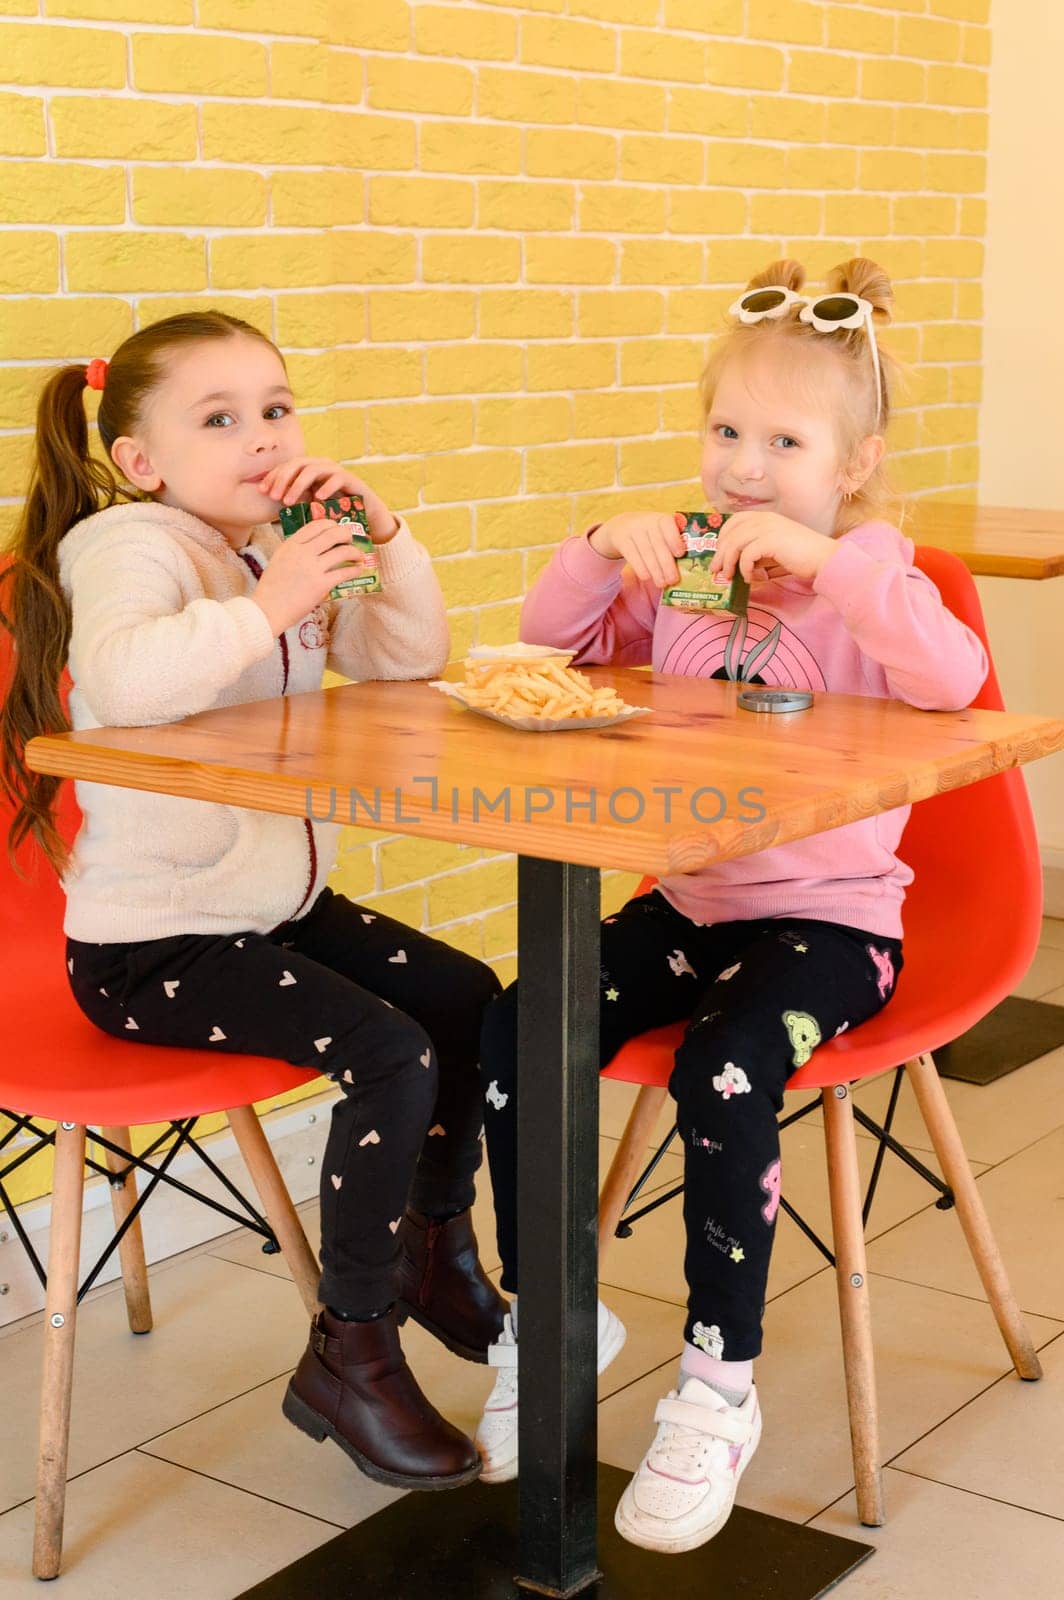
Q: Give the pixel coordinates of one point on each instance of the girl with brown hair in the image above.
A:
(168, 589)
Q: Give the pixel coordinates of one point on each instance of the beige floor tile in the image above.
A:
(615, 1104)
(1053, 933)
(651, 1261)
(933, 1353)
(205, 1348)
(137, 1526)
(249, 1444)
(941, 1544)
(995, 1120)
(1022, 1197)
(1055, 997)
(1007, 1444)
(1045, 972)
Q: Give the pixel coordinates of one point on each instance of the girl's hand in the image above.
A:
(648, 540)
(315, 478)
(302, 570)
(763, 545)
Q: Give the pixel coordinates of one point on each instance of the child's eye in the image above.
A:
(787, 442)
(219, 419)
(276, 412)
(726, 431)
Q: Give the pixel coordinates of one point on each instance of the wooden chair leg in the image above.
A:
(131, 1245)
(844, 1184)
(277, 1203)
(60, 1314)
(939, 1120)
(627, 1163)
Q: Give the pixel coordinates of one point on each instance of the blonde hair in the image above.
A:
(855, 411)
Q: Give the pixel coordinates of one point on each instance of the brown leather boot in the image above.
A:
(353, 1386)
(443, 1286)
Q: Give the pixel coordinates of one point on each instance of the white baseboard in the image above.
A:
(171, 1221)
(1053, 881)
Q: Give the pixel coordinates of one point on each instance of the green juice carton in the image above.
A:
(349, 509)
(697, 589)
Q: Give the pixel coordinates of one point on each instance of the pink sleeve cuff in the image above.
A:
(583, 564)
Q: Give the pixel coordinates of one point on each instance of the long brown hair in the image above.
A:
(68, 483)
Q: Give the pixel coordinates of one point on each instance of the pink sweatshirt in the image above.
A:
(871, 623)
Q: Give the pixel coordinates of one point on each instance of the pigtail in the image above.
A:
(783, 274)
(66, 485)
(868, 279)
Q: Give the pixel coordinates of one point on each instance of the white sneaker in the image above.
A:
(684, 1488)
(497, 1433)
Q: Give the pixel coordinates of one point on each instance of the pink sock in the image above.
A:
(731, 1379)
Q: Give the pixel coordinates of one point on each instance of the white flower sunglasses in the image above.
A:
(827, 314)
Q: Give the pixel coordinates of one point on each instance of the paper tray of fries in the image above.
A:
(533, 688)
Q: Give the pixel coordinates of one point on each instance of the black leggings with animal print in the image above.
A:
(389, 1014)
(759, 995)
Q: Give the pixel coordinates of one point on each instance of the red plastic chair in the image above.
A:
(975, 855)
(55, 1065)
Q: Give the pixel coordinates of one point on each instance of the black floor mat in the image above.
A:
(1014, 1033)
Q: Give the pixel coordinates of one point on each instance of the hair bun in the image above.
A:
(868, 279)
(784, 274)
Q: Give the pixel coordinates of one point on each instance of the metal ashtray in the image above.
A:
(775, 699)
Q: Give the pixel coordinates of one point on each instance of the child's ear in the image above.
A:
(863, 463)
(133, 462)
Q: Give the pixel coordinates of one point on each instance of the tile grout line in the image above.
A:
(252, 1494)
(977, 1494)
(975, 1299)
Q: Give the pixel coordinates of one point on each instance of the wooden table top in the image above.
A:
(369, 753)
(993, 541)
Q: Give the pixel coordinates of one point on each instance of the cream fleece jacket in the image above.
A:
(165, 626)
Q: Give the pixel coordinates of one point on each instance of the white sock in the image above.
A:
(731, 1379)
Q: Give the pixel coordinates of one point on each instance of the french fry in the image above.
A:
(544, 690)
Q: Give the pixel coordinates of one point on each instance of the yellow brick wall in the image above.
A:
(491, 238)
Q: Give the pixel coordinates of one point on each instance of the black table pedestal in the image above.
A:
(463, 1546)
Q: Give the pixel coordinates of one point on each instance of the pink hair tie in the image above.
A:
(96, 373)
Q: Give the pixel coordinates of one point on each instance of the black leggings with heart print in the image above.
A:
(389, 1014)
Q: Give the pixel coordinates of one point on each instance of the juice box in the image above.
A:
(697, 590)
(349, 509)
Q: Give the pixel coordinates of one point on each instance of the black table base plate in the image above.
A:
(463, 1546)
(1014, 1033)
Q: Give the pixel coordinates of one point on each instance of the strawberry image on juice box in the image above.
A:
(349, 509)
(696, 588)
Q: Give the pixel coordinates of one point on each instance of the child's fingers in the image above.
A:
(734, 536)
(752, 555)
(276, 482)
(635, 559)
(328, 535)
(656, 559)
(303, 485)
(339, 480)
(671, 535)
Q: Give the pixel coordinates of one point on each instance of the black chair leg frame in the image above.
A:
(182, 1134)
